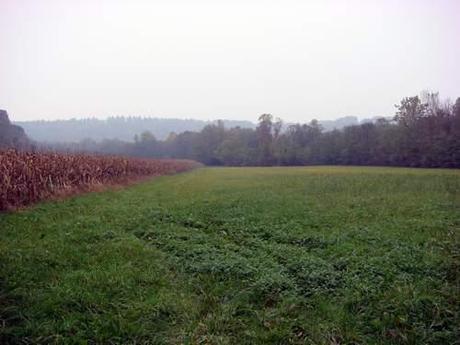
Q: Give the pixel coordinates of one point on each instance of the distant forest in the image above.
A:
(125, 128)
(118, 127)
(425, 132)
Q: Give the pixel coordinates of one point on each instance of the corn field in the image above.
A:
(27, 177)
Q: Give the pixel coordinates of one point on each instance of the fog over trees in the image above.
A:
(126, 127)
(425, 132)
(116, 127)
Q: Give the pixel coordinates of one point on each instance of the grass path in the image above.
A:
(318, 255)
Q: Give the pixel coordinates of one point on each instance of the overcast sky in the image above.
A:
(224, 59)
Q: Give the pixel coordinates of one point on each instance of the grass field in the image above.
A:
(317, 255)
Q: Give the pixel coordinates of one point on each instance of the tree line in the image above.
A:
(425, 132)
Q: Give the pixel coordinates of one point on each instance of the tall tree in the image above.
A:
(410, 110)
(264, 133)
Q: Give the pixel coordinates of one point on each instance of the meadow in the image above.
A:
(308, 255)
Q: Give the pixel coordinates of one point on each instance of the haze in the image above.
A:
(224, 59)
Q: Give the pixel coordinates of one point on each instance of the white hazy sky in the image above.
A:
(224, 59)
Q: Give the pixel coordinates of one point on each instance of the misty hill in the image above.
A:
(125, 128)
(11, 135)
(122, 128)
(341, 122)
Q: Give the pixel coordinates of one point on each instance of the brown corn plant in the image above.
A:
(27, 177)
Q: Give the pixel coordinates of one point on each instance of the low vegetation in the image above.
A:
(319, 255)
(26, 177)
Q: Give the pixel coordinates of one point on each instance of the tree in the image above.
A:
(238, 148)
(265, 139)
(145, 145)
(147, 137)
(410, 110)
(208, 141)
(456, 108)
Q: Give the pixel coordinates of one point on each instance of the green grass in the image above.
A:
(319, 255)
